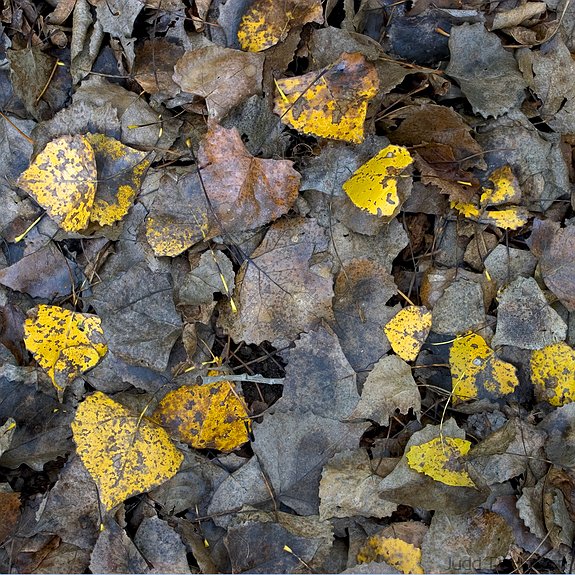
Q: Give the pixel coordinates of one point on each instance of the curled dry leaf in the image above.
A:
(124, 453)
(331, 103)
(267, 22)
(63, 342)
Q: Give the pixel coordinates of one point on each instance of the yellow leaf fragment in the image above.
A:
(331, 103)
(405, 557)
(408, 330)
(62, 179)
(64, 343)
(441, 459)
(553, 373)
(125, 454)
(505, 188)
(120, 173)
(511, 218)
(466, 210)
(210, 416)
(475, 370)
(374, 185)
(267, 22)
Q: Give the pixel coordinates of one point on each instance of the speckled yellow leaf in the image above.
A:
(125, 454)
(267, 22)
(408, 330)
(205, 416)
(466, 210)
(505, 189)
(553, 373)
(62, 179)
(511, 218)
(120, 173)
(404, 556)
(441, 459)
(374, 185)
(475, 371)
(63, 342)
(331, 103)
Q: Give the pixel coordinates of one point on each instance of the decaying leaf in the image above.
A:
(377, 185)
(408, 330)
(553, 373)
(331, 103)
(267, 22)
(505, 190)
(476, 371)
(404, 556)
(211, 416)
(62, 179)
(441, 459)
(65, 343)
(124, 453)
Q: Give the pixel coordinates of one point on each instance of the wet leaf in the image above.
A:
(331, 103)
(62, 179)
(64, 343)
(125, 454)
(441, 459)
(211, 416)
(476, 372)
(408, 330)
(267, 22)
(404, 556)
(376, 186)
(553, 373)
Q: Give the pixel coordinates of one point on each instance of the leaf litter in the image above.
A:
(287, 276)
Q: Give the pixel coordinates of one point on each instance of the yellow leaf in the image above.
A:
(373, 186)
(404, 556)
(331, 103)
(267, 22)
(553, 373)
(505, 188)
(205, 416)
(475, 370)
(408, 330)
(64, 343)
(120, 172)
(466, 210)
(441, 459)
(125, 454)
(511, 218)
(62, 179)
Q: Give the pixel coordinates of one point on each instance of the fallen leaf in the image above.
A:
(64, 343)
(125, 454)
(210, 416)
(408, 330)
(331, 103)
(476, 372)
(380, 185)
(62, 179)
(404, 556)
(224, 77)
(267, 22)
(553, 373)
(441, 459)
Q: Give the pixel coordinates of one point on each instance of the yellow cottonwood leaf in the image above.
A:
(405, 557)
(62, 179)
(441, 459)
(125, 454)
(331, 103)
(120, 173)
(267, 22)
(63, 342)
(374, 185)
(505, 190)
(553, 373)
(205, 416)
(475, 371)
(407, 331)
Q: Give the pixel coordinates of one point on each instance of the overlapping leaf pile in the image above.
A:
(285, 286)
